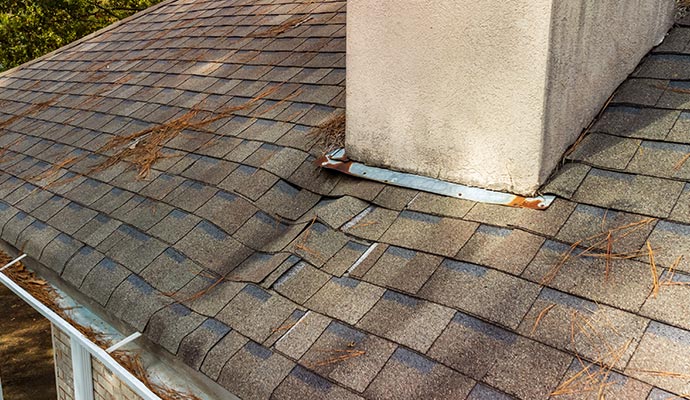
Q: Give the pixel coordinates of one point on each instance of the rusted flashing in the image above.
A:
(337, 160)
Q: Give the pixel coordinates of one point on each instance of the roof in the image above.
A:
(275, 278)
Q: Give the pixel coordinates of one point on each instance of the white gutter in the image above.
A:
(81, 347)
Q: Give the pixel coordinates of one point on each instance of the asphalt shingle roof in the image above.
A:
(275, 278)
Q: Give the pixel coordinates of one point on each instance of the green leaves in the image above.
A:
(31, 28)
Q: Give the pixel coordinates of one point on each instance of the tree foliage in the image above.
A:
(31, 28)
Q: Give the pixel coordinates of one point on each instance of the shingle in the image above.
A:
(144, 214)
(254, 371)
(284, 162)
(440, 205)
(265, 233)
(190, 195)
(208, 294)
(670, 305)
(30, 203)
(402, 269)
(530, 370)
(209, 170)
(437, 235)
(249, 181)
(174, 226)
(170, 271)
(634, 193)
(220, 353)
(356, 372)
(395, 198)
(663, 348)
(664, 66)
(675, 239)
(287, 201)
(345, 299)
(546, 222)
(81, 264)
(317, 244)
(227, 210)
(35, 238)
(300, 282)
(135, 301)
(644, 92)
(136, 249)
(627, 285)
(20, 193)
(171, 324)
(681, 211)
(297, 340)
(371, 223)
(265, 131)
(313, 178)
(345, 258)
(255, 312)
(213, 248)
(97, 229)
(407, 321)
(305, 385)
(661, 159)
(681, 130)
(196, 345)
(56, 254)
(612, 384)
(588, 221)
(112, 200)
(408, 375)
(491, 294)
(257, 267)
(571, 322)
(102, 280)
(356, 187)
(495, 247)
(605, 151)
(483, 392)
(89, 191)
(642, 123)
(336, 212)
(71, 218)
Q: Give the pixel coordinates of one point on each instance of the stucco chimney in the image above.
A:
(485, 93)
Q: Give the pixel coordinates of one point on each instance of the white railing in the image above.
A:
(81, 347)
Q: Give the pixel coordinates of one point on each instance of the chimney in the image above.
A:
(484, 93)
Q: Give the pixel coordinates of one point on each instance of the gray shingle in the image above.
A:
(135, 301)
(491, 294)
(196, 345)
(627, 286)
(254, 371)
(345, 299)
(663, 348)
(303, 384)
(402, 269)
(406, 320)
(437, 235)
(213, 248)
(355, 372)
(255, 312)
(408, 375)
(103, 279)
(171, 324)
(634, 193)
(495, 247)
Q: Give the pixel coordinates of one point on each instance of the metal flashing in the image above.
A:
(337, 160)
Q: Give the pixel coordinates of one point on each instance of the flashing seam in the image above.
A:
(337, 160)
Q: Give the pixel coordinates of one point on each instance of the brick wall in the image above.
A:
(106, 386)
(63, 364)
